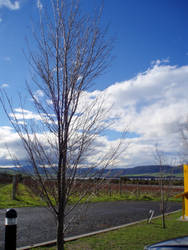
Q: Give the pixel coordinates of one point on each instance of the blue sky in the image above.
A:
(145, 31)
(146, 83)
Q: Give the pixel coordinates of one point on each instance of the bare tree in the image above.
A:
(71, 52)
(184, 138)
(165, 185)
(160, 159)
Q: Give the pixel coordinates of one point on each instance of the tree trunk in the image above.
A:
(14, 187)
(120, 187)
(137, 190)
(60, 232)
(164, 224)
(109, 189)
(162, 205)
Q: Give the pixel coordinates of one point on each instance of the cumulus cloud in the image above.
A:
(153, 105)
(39, 4)
(38, 94)
(4, 85)
(153, 101)
(22, 114)
(9, 4)
(10, 145)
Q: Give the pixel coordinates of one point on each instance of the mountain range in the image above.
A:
(110, 173)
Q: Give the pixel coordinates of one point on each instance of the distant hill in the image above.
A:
(110, 173)
(10, 171)
(141, 170)
(153, 169)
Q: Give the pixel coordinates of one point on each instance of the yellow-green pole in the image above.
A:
(186, 188)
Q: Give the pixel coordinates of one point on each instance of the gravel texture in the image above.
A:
(37, 225)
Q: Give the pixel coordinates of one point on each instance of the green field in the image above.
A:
(25, 197)
(132, 237)
(157, 175)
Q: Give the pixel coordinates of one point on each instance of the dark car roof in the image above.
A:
(172, 244)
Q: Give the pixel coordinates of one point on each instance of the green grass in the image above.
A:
(132, 237)
(102, 197)
(24, 197)
(157, 175)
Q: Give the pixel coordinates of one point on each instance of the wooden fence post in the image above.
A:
(109, 189)
(14, 186)
(120, 187)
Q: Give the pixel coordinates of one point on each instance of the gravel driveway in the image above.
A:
(37, 225)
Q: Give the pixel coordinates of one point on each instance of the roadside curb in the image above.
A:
(53, 242)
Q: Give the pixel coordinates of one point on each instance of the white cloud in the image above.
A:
(153, 105)
(38, 94)
(22, 114)
(49, 102)
(39, 4)
(4, 85)
(9, 4)
(10, 145)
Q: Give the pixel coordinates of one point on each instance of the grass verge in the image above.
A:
(132, 237)
(102, 197)
(24, 197)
